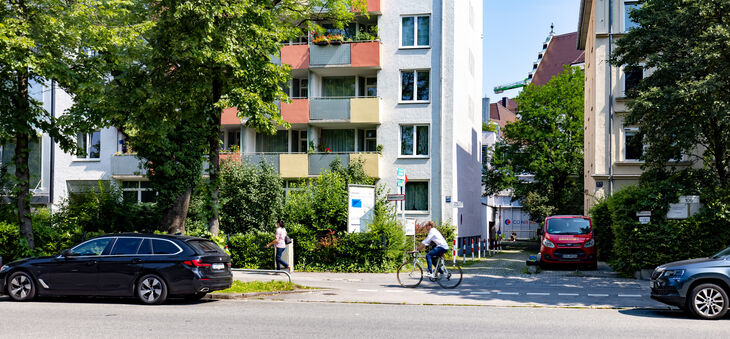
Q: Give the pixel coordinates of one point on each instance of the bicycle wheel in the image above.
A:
(410, 274)
(449, 275)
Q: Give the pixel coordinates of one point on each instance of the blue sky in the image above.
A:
(514, 31)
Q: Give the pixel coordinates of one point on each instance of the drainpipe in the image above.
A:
(53, 146)
(441, 115)
(610, 98)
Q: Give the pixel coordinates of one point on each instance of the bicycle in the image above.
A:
(410, 273)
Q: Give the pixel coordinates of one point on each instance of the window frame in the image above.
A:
(138, 190)
(625, 17)
(415, 143)
(415, 86)
(365, 139)
(631, 131)
(415, 31)
(87, 145)
(428, 194)
(625, 73)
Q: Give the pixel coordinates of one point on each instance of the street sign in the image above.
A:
(458, 204)
(401, 174)
(396, 197)
(401, 182)
(410, 227)
(643, 214)
(644, 220)
(689, 199)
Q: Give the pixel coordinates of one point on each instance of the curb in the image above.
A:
(228, 296)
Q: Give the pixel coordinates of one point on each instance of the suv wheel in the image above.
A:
(21, 287)
(708, 301)
(152, 290)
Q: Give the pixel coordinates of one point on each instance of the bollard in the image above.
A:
(472, 249)
(463, 252)
(454, 256)
(479, 247)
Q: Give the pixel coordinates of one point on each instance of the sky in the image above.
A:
(514, 31)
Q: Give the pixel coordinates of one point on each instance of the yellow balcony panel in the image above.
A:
(293, 165)
(371, 163)
(365, 110)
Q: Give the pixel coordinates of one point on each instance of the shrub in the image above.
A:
(602, 229)
(249, 250)
(251, 197)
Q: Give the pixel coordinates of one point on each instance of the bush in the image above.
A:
(602, 229)
(251, 197)
(249, 250)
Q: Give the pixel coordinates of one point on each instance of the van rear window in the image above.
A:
(205, 246)
(570, 226)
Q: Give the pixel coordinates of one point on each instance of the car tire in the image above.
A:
(151, 290)
(708, 301)
(21, 287)
(195, 296)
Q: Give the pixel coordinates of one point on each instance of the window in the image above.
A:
(338, 87)
(367, 140)
(234, 139)
(164, 247)
(414, 140)
(145, 247)
(338, 140)
(35, 156)
(414, 85)
(368, 87)
(272, 143)
(301, 88)
(299, 141)
(628, 22)
(415, 31)
(89, 145)
(416, 196)
(633, 144)
(632, 77)
(126, 246)
(137, 191)
(92, 247)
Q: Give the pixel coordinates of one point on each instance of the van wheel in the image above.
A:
(152, 290)
(708, 301)
(21, 287)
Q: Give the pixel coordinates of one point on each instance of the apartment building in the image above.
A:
(410, 99)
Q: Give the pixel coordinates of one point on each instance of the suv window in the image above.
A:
(205, 246)
(145, 247)
(93, 247)
(164, 247)
(126, 246)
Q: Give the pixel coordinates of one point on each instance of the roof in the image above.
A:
(561, 51)
(150, 235)
(501, 114)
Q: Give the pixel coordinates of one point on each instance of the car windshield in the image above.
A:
(568, 226)
(722, 253)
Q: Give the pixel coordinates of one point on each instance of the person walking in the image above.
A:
(280, 244)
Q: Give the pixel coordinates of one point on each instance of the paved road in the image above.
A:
(498, 281)
(104, 318)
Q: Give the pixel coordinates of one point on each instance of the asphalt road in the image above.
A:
(105, 318)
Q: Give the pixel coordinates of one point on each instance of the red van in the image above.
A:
(568, 239)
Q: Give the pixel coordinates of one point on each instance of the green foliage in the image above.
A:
(547, 142)
(259, 286)
(490, 126)
(249, 250)
(602, 224)
(251, 197)
(538, 207)
(681, 106)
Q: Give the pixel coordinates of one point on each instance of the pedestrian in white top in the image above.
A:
(280, 242)
(434, 236)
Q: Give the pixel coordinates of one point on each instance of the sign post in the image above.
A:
(402, 179)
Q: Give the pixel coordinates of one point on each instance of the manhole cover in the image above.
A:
(329, 293)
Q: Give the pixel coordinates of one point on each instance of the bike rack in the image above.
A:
(263, 271)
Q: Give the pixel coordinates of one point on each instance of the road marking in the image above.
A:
(508, 293)
(537, 293)
(569, 294)
(422, 292)
(393, 291)
(597, 295)
(630, 295)
(362, 290)
(448, 292)
(479, 292)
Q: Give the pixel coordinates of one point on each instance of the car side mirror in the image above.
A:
(66, 253)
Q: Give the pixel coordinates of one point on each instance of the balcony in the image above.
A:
(370, 163)
(296, 112)
(348, 54)
(354, 110)
(127, 165)
(302, 165)
(293, 165)
(296, 56)
(256, 158)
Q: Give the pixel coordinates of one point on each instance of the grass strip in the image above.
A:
(261, 286)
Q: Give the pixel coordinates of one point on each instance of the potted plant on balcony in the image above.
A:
(335, 39)
(320, 40)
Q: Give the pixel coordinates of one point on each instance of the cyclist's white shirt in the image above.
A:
(438, 239)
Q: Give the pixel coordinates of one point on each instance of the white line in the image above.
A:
(537, 293)
(630, 295)
(597, 295)
(393, 291)
(479, 293)
(508, 293)
(422, 292)
(569, 294)
(362, 290)
(448, 292)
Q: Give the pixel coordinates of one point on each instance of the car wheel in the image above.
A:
(21, 287)
(152, 290)
(195, 296)
(708, 301)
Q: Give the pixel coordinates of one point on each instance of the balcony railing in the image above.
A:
(127, 165)
(352, 54)
(302, 165)
(349, 109)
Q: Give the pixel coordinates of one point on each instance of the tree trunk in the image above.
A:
(174, 220)
(214, 158)
(22, 170)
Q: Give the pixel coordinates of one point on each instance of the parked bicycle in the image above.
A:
(410, 273)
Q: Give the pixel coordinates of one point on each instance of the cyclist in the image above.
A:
(441, 246)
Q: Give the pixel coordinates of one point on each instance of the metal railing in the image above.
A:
(288, 275)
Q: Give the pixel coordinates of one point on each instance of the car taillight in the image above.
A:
(228, 264)
(196, 263)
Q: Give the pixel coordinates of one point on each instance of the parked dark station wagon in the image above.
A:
(147, 266)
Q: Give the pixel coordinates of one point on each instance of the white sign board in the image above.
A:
(644, 220)
(643, 214)
(689, 199)
(677, 211)
(410, 227)
(400, 173)
(458, 204)
(360, 207)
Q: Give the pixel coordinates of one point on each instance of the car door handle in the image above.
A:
(136, 261)
(92, 262)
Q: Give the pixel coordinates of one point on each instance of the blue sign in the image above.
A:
(357, 203)
(401, 174)
(401, 183)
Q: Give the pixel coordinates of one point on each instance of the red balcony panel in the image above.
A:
(229, 157)
(365, 54)
(296, 56)
(297, 112)
(373, 5)
(230, 117)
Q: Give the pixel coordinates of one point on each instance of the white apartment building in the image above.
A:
(414, 94)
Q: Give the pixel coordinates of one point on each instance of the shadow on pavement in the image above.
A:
(663, 314)
(111, 300)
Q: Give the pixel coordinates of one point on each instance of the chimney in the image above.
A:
(504, 101)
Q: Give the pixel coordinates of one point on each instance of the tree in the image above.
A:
(202, 56)
(682, 105)
(252, 197)
(67, 42)
(546, 142)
